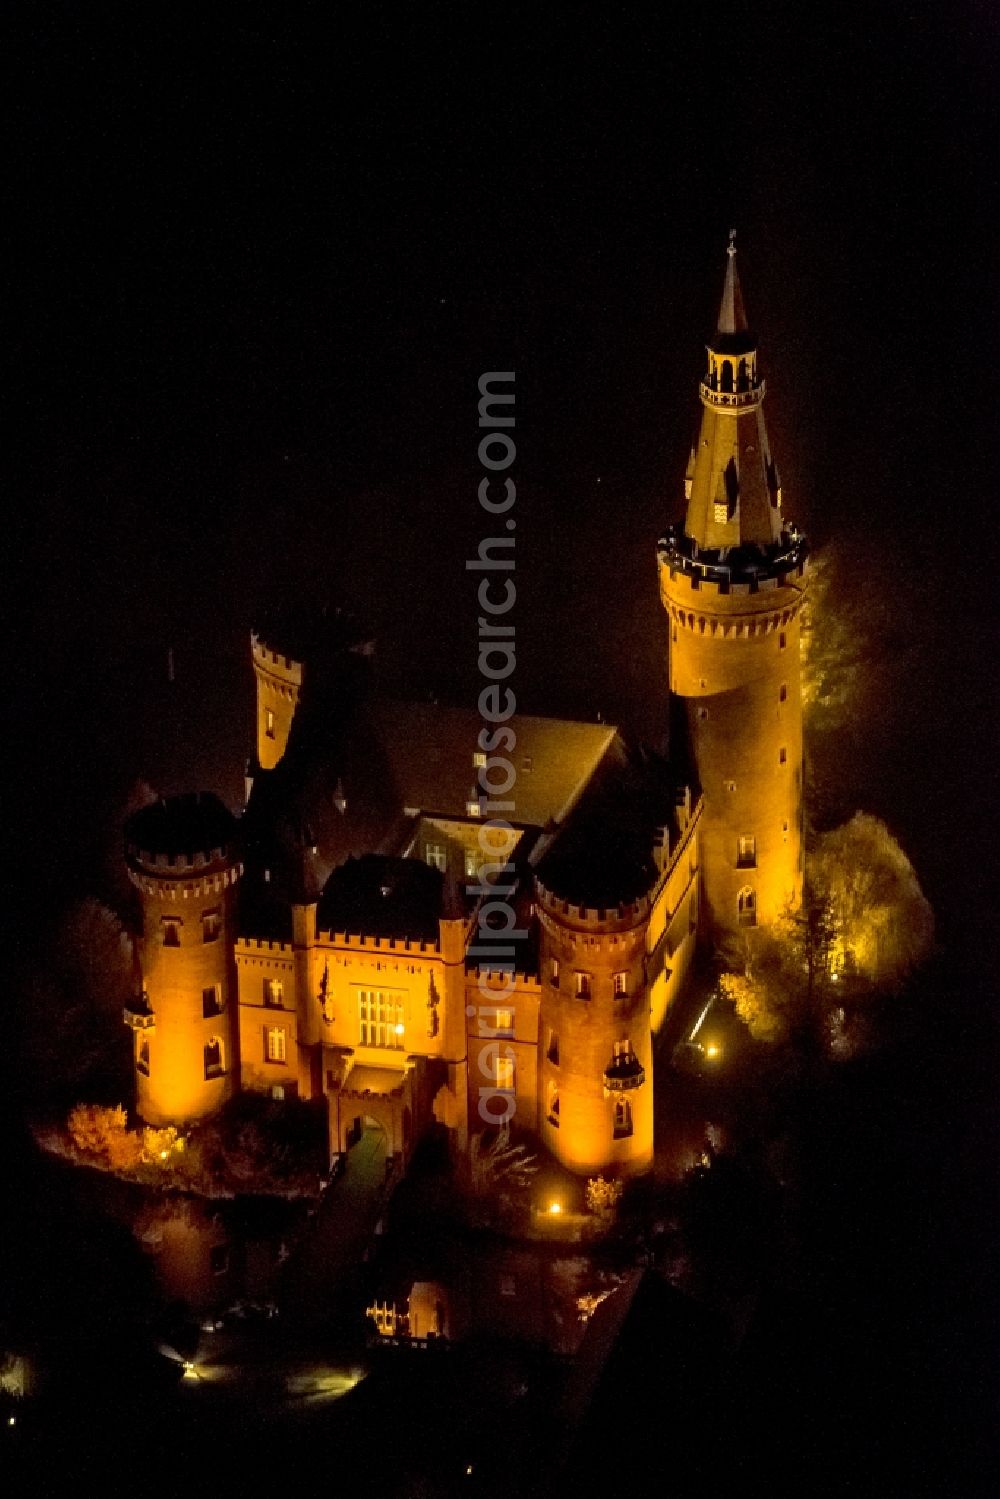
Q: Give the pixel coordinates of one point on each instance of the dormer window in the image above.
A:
(437, 856)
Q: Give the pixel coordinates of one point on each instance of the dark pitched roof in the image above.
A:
(604, 856)
(382, 897)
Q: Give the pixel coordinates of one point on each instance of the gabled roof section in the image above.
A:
(429, 749)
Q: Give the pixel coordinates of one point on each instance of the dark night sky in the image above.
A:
(259, 267)
(258, 264)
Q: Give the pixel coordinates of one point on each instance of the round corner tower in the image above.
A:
(595, 1059)
(732, 580)
(279, 686)
(181, 859)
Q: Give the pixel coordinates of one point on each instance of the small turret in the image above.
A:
(279, 685)
(181, 858)
(595, 1062)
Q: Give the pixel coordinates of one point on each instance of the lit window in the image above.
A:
(621, 985)
(471, 864)
(211, 926)
(479, 760)
(437, 856)
(583, 986)
(171, 931)
(269, 722)
(622, 1050)
(729, 785)
(622, 1118)
(505, 1073)
(142, 1055)
(746, 906)
(554, 972)
(211, 1001)
(274, 1044)
(782, 755)
(380, 1019)
(278, 1093)
(746, 851)
(214, 1059)
(274, 991)
(504, 1022)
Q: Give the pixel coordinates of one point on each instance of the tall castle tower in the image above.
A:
(181, 860)
(732, 580)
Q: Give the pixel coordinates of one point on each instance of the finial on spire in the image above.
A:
(732, 318)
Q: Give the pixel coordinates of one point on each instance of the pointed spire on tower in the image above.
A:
(732, 316)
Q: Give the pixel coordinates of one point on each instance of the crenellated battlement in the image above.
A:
(285, 668)
(742, 572)
(600, 920)
(254, 946)
(358, 942)
(182, 846)
(523, 980)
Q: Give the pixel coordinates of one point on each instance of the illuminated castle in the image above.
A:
(331, 942)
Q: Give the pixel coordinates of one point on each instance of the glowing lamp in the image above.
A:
(712, 1050)
(555, 1207)
(399, 1030)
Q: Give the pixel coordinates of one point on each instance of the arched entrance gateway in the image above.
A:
(373, 1107)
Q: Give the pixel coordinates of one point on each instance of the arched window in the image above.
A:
(214, 1058)
(726, 382)
(746, 906)
(623, 1118)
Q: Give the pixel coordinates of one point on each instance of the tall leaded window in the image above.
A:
(273, 993)
(505, 1073)
(380, 1019)
(274, 1043)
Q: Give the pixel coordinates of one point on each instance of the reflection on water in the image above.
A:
(211, 1255)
